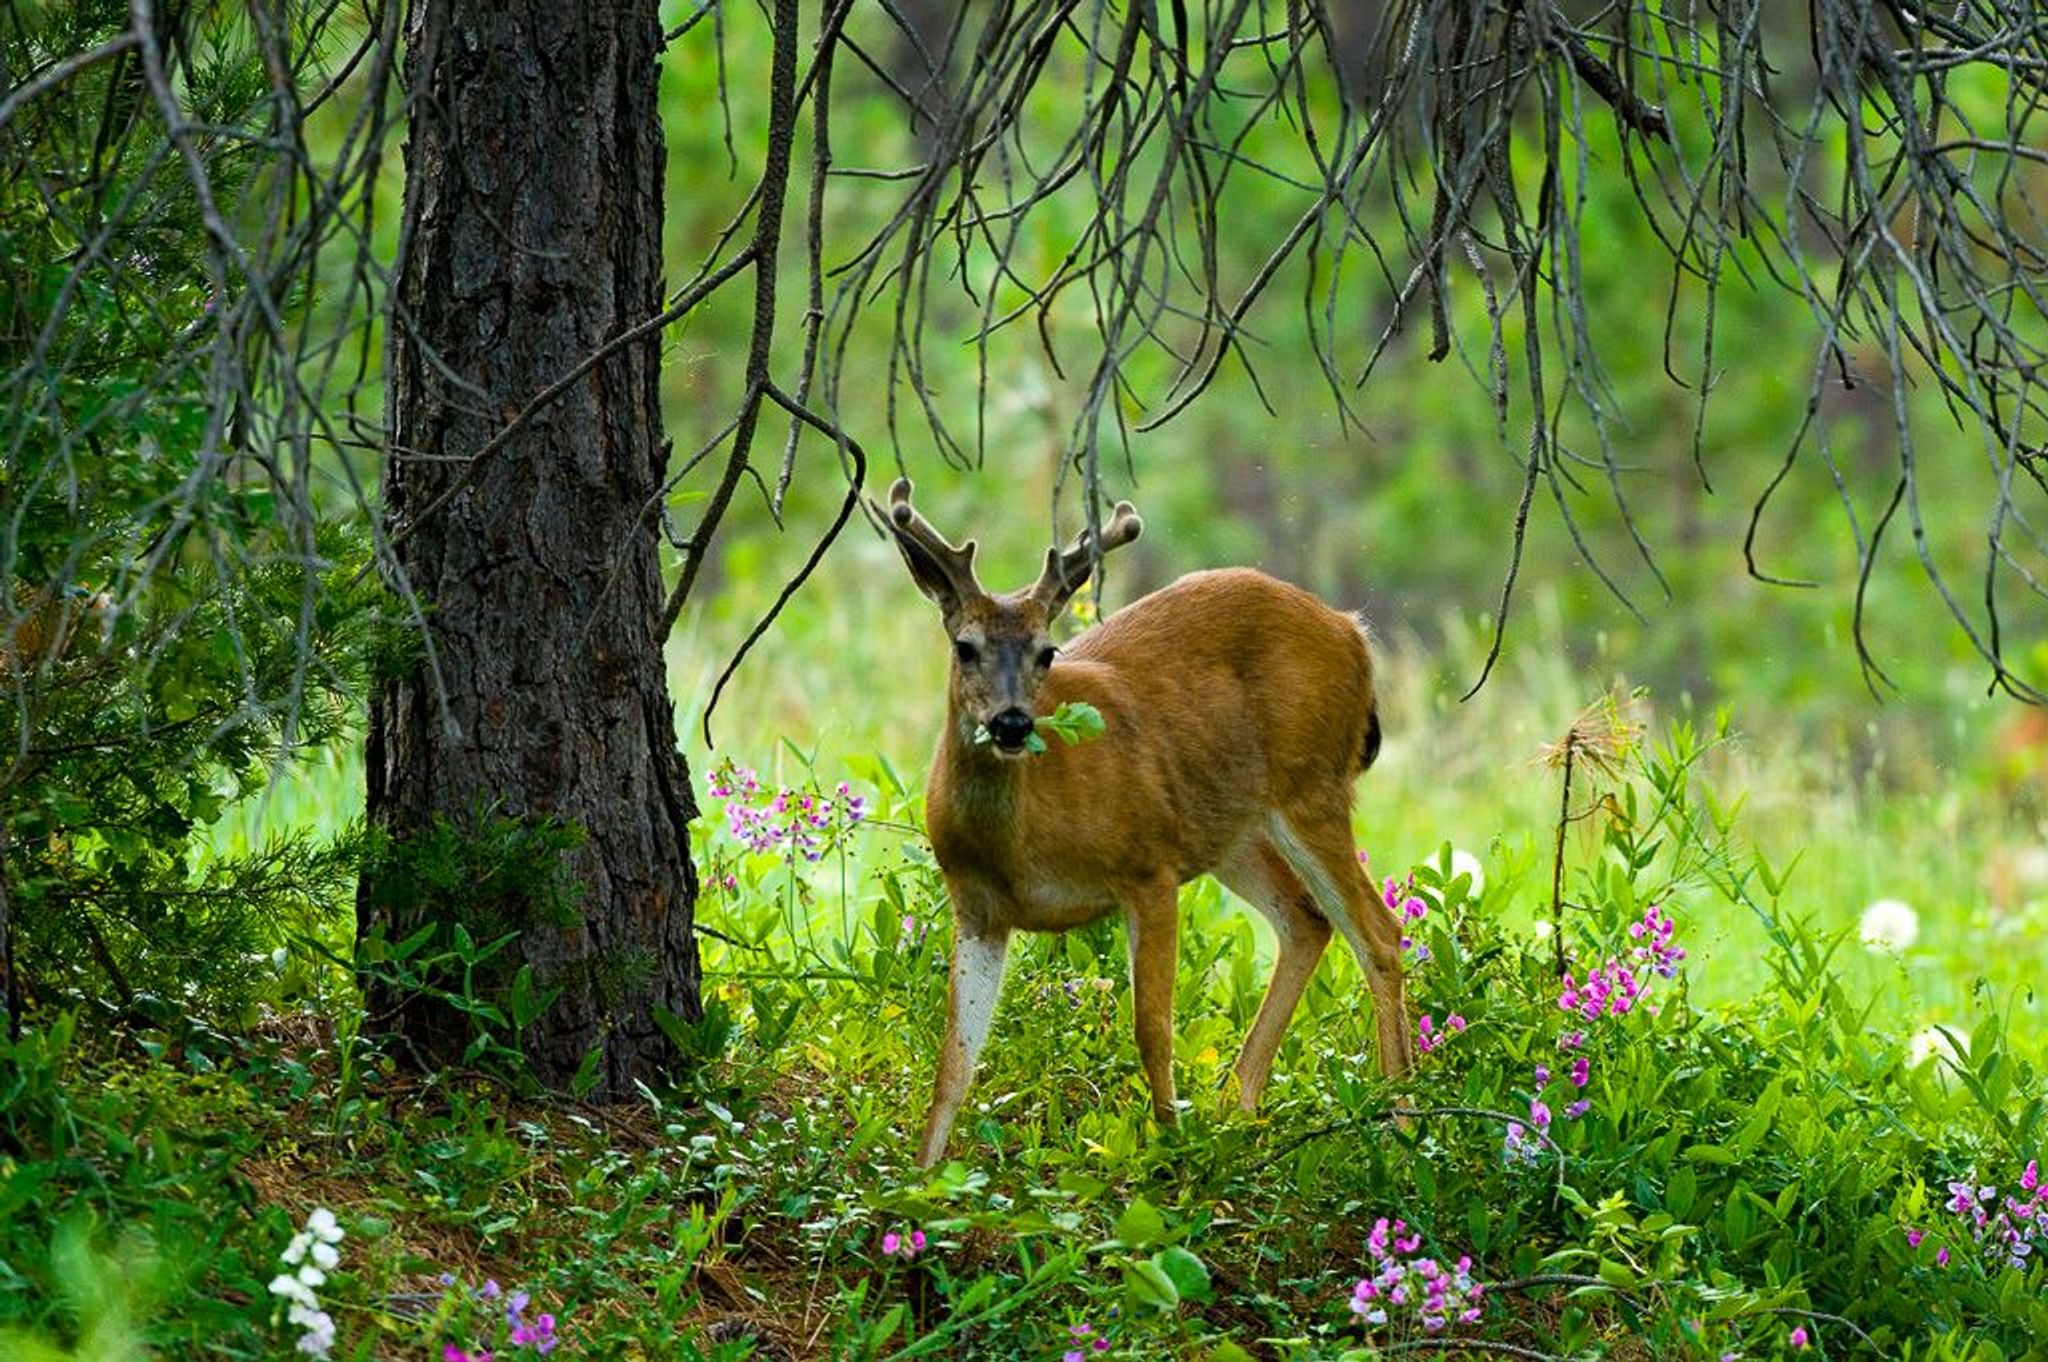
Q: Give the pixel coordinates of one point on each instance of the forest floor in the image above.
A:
(1788, 1101)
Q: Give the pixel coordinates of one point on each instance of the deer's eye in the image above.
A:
(966, 652)
(1046, 655)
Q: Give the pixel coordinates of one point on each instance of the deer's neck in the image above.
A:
(977, 795)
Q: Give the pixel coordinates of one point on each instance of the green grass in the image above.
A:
(1879, 804)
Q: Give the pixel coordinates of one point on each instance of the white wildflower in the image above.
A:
(292, 1289)
(311, 1253)
(1890, 925)
(1464, 862)
(1936, 1042)
(317, 1326)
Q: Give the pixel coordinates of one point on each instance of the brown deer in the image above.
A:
(40, 626)
(1238, 711)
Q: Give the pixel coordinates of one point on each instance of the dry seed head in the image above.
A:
(1602, 736)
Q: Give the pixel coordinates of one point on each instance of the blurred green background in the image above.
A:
(1933, 795)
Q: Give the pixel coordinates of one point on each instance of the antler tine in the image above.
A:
(1066, 569)
(956, 561)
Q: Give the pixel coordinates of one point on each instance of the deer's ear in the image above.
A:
(1068, 569)
(1059, 580)
(935, 579)
(942, 570)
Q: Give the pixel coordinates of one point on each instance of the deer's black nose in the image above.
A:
(1010, 728)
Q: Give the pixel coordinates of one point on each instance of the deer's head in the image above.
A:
(1002, 644)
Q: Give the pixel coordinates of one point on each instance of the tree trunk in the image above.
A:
(532, 235)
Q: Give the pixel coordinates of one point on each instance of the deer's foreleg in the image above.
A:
(977, 981)
(1154, 922)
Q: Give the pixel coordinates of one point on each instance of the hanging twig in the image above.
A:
(799, 412)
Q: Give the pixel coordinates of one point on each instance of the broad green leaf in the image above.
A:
(1147, 1285)
(1189, 1274)
(586, 1075)
(1140, 1226)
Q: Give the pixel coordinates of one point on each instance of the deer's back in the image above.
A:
(1225, 695)
(1247, 651)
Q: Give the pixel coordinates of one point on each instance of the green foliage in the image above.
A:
(1756, 1151)
(458, 898)
(103, 1294)
(91, 1140)
(124, 769)
(1743, 1169)
(1075, 721)
(1750, 1161)
(1405, 511)
(174, 635)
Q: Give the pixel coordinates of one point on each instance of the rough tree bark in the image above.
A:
(532, 235)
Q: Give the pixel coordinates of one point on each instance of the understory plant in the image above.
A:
(1616, 1159)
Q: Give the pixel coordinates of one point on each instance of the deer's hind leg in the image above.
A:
(1260, 875)
(1316, 840)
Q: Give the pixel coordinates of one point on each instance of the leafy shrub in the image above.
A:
(474, 892)
(114, 1231)
(174, 633)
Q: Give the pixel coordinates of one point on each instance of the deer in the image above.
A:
(41, 626)
(1238, 711)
